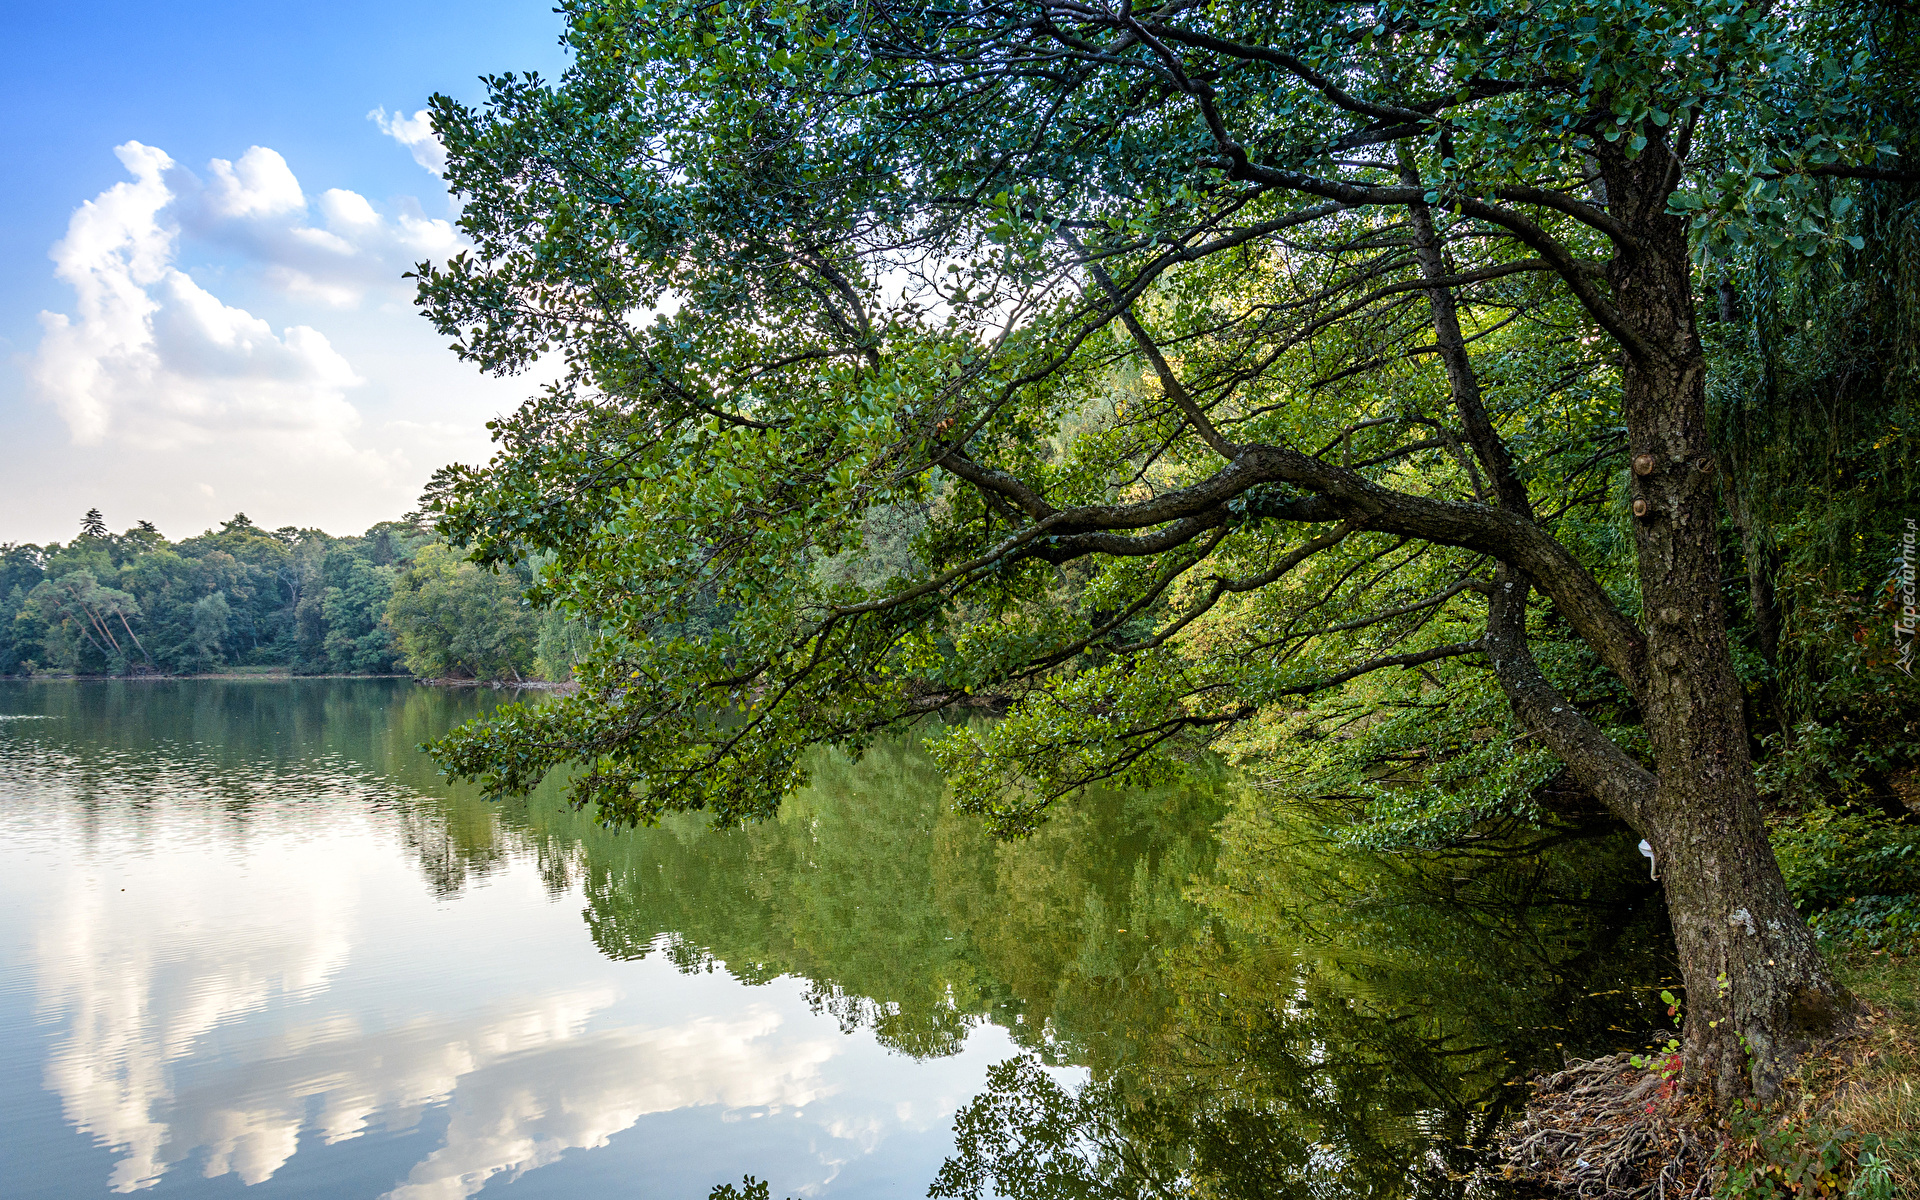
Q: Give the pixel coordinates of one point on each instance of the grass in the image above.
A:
(1877, 1095)
(1855, 1131)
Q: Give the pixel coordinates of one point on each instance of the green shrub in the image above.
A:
(1763, 1160)
(1855, 874)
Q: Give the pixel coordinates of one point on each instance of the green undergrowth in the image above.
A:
(1853, 1127)
(1855, 874)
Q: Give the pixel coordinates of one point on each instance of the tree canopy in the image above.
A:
(904, 258)
(1200, 359)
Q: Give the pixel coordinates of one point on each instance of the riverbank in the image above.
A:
(235, 673)
(1849, 1127)
(281, 674)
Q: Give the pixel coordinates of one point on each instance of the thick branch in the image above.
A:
(1169, 382)
(1339, 493)
(1462, 380)
(1622, 784)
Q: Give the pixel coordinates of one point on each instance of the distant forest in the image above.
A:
(394, 599)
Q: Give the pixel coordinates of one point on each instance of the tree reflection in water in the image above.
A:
(1349, 1026)
(1213, 1001)
(1259, 1012)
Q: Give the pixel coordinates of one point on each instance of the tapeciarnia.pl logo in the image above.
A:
(1903, 626)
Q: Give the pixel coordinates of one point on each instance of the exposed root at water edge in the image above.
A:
(1607, 1128)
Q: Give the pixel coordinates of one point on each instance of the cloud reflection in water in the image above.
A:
(298, 980)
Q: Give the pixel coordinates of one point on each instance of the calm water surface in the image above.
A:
(251, 944)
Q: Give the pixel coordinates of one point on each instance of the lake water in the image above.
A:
(251, 944)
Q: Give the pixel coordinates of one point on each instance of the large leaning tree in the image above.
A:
(1367, 324)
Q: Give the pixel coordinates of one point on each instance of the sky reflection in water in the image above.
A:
(253, 944)
(227, 962)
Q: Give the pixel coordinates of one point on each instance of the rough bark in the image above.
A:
(1758, 988)
(1762, 561)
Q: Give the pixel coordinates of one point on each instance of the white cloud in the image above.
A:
(261, 185)
(152, 357)
(416, 134)
(114, 250)
(239, 324)
(348, 210)
(351, 255)
(357, 255)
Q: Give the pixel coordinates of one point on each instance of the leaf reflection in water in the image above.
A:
(320, 943)
(1356, 1025)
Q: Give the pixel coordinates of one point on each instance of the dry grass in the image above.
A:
(1872, 1088)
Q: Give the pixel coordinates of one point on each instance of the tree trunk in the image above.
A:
(1758, 989)
(1762, 562)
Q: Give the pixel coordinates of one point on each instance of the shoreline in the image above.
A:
(280, 676)
(157, 677)
(1846, 1124)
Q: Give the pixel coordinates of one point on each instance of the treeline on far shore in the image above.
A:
(394, 599)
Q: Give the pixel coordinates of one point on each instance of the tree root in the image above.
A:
(1607, 1128)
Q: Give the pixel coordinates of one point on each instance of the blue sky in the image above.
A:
(201, 232)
